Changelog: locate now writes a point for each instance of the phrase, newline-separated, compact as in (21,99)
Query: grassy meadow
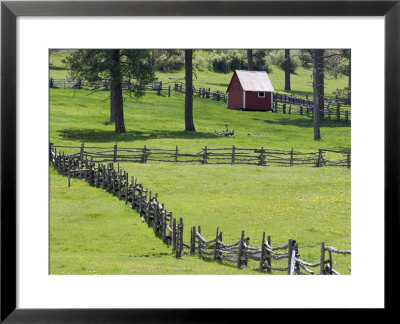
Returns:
(301,80)
(92,232)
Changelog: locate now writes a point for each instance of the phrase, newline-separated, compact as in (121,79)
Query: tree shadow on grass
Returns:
(57,68)
(306,122)
(101,136)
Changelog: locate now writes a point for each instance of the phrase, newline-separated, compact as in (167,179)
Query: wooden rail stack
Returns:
(154,213)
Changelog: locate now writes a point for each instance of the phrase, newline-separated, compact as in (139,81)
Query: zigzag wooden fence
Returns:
(170,230)
(230,155)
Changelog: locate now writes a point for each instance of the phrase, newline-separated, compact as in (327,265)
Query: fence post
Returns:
(199,231)
(247,240)
(297,265)
(338,112)
(169,91)
(174,234)
(346,116)
(205,155)
(50,155)
(146,205)
(319,158)
(290,257)
(284,108)
(216,245)
(291,157)
(106,176)
(179,243)
(126,188)
(193,240)
(115,152)
(133,202)
(239,260)
(164,224)
(330,262)
(233,154)
(103,175)
(262,156)
(155,219)
(348,160)
(219,253)
(149,208)
(119,184)
(140,200)
(176,154)
(113,178)
(81,153)
(144,155)
(262,253)
(269,255)
(322,265)
(69,174)
(301,110)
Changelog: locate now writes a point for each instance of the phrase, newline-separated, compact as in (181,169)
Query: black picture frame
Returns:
(10,10)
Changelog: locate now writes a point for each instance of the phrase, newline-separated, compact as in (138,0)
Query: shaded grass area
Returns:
(158,121)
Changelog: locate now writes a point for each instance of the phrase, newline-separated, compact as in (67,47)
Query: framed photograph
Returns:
(278,174)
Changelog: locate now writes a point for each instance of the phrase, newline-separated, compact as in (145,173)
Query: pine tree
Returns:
(132,68)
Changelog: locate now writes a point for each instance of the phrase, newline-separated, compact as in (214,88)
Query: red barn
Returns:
(250,90)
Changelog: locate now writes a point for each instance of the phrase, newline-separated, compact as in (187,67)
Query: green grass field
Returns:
(92,232)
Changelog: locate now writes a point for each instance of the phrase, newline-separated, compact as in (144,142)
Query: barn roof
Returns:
(254,81)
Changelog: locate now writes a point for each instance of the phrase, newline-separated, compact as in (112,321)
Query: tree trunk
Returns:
(112,106)
(316,54)
(321,84)
(116,85)
(189,125)
(287,69)
(250,60)
(349,95)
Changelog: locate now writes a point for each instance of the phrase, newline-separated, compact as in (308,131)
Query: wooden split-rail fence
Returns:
(286,256)
(170,230)
(281,102)
(202,92)
(230,155)
(293,105)
(156,86)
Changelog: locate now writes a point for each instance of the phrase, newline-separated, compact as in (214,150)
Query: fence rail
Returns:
(229,155)
(170,230)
